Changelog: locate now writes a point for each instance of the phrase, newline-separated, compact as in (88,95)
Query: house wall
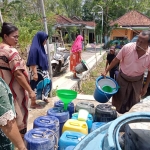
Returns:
(121,33)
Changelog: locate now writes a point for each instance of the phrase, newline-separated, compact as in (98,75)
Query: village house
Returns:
(86,28)
(129,25)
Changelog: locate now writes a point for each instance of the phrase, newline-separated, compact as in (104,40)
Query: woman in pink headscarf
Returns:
(75,57)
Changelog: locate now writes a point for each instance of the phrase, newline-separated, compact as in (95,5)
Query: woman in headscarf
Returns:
(75,57)
(38,67)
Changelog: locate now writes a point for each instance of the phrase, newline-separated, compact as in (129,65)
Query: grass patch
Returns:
(88,86)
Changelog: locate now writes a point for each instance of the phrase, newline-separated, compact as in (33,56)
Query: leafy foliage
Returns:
(27,16)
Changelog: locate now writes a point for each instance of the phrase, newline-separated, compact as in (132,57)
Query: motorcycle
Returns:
(60,61)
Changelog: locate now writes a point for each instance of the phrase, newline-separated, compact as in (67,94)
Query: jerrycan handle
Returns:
(84,103)
(37,134)
(71,136)
(44,121)
(74,123)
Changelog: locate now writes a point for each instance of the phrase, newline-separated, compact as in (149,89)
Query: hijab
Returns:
(37,55)
(77,45)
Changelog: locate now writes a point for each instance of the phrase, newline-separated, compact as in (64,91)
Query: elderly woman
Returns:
(13,72)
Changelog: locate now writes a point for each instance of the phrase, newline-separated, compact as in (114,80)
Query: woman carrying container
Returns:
(75,57)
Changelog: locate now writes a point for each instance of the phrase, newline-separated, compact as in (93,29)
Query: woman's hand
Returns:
(35,76)
(32,95)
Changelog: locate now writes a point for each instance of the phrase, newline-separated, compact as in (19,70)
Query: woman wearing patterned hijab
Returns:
(38,68)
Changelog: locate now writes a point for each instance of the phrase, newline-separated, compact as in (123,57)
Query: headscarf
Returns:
(37,55)
(77,45)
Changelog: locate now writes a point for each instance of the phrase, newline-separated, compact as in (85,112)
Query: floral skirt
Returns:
(42,86)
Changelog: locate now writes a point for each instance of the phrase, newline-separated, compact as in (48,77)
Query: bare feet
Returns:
(46,100)
(35,106)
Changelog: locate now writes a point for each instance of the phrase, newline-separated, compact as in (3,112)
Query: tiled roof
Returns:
(132,18)
(90,23)
(75,20)
(62,19)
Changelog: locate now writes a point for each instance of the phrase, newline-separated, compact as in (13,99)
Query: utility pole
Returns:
(48,48)
(1,18)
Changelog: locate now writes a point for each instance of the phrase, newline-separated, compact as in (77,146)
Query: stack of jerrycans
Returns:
(74,131)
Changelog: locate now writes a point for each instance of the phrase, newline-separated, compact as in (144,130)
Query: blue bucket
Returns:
(100,95)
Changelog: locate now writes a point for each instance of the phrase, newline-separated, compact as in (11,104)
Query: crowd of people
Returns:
(19,84)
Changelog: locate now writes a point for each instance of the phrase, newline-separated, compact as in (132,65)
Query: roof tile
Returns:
(132,18)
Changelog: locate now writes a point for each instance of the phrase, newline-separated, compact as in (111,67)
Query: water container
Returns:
(70,106)
(39,139)
(89,120)
(75,125)
(81,67)
(99,94)
(69,138)
(61,114)
(85,105)
(50,122)
(105,113)
(70,148)
(96,125)
(83,115)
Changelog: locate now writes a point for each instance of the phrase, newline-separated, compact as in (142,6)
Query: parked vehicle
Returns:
(60,60)
(113,42)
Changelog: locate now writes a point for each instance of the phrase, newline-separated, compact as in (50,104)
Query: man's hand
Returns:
(143,91)
(104,73)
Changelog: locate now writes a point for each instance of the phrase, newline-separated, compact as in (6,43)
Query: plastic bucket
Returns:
(100,95)
(81,67)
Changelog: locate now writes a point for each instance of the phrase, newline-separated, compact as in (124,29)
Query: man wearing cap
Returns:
(110,56)
(134,59)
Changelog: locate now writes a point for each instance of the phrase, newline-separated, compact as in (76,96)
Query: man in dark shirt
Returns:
(110,56)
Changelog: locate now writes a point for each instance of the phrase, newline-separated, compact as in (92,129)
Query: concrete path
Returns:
(66,81)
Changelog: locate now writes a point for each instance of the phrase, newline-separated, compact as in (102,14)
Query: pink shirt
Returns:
(130,64)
